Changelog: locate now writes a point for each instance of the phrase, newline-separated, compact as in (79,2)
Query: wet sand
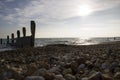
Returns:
(62,62)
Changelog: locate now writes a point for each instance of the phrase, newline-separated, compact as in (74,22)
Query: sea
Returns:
(40,42)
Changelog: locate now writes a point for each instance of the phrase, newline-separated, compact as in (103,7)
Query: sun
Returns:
(85,10)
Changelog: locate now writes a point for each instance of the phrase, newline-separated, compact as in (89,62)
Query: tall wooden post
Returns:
(33,26)
(12,36)
(7,39)
(24,31)
(18,33)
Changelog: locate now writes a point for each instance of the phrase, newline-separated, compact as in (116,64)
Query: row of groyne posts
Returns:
(25,41)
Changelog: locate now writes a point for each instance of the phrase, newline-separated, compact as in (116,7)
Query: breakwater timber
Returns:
(25,41)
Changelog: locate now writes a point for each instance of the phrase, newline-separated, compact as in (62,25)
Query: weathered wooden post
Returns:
(18,33)
(18,42)
(24,31)
(33,26)
(7,39)
(1,41)
(12,36)
(114,38)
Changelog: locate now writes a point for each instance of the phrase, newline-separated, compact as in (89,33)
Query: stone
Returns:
(99,76)
(31,69)
(113,66)
(55,70)
(69,77)
(78,76)
(59,77)
(104,66)
(49,76)
(67,71)
(80,60)
(74,66)
(106,77)
(40,72)
(117,76)
(10,74)
(81,66)
(43,64)
(84,79)
(67,65)
(34,78)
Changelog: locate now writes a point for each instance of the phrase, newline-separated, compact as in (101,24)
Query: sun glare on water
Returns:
(85,10)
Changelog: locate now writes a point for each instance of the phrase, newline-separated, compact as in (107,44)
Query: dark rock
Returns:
(117,76)
(59,77)
(34,78)
(69,77)
(40,72)
(10,74)
(99,76)
(49,76)
(81,66)
(67,71)
(74,66)
(55,70)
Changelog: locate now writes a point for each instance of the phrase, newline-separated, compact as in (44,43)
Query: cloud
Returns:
(50,11)
(9,0)
(9,17)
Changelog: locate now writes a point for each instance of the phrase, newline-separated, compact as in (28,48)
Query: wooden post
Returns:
(7,39)
(1,41)
(18,33)
(12,36)
(33,26)
(24,31)
(114,38)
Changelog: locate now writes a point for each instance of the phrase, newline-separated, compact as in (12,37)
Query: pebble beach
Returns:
(62,62)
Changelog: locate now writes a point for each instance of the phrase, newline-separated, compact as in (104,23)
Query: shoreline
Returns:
(5,48)
(75,60)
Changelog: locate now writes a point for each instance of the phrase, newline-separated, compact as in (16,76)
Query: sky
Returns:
(61,18)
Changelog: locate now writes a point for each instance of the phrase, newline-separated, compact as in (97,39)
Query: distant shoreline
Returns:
(103,43)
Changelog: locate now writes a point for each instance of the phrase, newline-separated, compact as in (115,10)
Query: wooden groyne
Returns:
(24,41)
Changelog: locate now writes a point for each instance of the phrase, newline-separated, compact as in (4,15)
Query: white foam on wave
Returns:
(5,48)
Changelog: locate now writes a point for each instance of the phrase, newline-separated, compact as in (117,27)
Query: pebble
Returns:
(74,67)
(10,74)
(78,63)
(55,70)
(49,76)
(117,76)
(104,66)
(84,79)
(67,71)
(40,72)
(59,77)
(81,66)
(99,76)
(34,78)
(69,77)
